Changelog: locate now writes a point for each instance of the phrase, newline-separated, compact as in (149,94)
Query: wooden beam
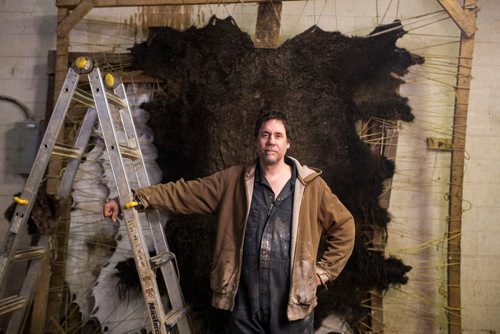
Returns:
(461,16)
(456,179)
(61,69)
(439,144)
(58,265)
(108,58)
(71,20)
(387,135)
(40,298)
(70,4)
(267,31)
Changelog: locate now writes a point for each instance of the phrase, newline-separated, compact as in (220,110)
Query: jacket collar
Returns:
(305,174)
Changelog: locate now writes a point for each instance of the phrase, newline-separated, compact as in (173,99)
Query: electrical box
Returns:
(22,146)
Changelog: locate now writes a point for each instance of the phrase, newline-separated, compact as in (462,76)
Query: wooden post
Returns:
(58,264)
(267,32)
(388,148)
(464,21)
(71,19)
(40,299)
(457,175)
(61,69)
(386,136)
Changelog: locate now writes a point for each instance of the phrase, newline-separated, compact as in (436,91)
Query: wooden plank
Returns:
(57,294)
(40,300)
(267,31)
(460,16)
(32,279)
(70,4)
(58,265)
(61,69)
(71,20)
(383,141)
(387,148)
(456,180)
(113,59)
(439,144)
(51,74)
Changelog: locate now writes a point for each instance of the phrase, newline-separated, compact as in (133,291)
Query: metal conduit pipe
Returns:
(29,115)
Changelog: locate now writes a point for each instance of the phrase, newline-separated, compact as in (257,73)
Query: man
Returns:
(271,215)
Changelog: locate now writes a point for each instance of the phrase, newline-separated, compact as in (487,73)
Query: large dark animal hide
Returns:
(44,215)
(216,84)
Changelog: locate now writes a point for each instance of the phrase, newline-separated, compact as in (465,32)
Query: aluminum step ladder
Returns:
(109,99)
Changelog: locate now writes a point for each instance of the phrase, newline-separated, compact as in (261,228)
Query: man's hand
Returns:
(111,209)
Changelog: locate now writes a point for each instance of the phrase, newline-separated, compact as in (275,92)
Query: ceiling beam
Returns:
(463,17)
(133,3)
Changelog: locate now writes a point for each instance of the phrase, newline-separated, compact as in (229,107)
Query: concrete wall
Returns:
(419,204)
(27,33)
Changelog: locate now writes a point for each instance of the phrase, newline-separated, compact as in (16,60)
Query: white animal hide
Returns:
(87,231)
(128,315)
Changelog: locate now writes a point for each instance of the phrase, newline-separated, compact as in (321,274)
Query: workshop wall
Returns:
(419,205)
(26,35)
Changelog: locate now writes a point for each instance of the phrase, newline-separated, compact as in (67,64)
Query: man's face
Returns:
(272,142)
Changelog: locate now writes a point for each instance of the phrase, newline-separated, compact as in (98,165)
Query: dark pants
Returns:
(261,302)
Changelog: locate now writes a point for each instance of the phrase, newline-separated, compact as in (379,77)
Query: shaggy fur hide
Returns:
(216,84)
(44,215)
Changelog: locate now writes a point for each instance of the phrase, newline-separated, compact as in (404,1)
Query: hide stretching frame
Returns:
(71,12)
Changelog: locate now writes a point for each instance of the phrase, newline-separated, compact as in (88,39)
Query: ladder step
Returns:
(158,260)
(84,98)
(10,304)
(129,152)
(87,99)
(173,317)
(29,253)
(115,99)
(67,151)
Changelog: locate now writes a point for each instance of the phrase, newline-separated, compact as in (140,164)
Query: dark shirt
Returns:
(262,298)
(267,238)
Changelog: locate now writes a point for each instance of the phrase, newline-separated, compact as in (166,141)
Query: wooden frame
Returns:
(466,20)
(70,12)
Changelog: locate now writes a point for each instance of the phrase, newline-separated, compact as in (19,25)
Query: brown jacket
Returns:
(228,194)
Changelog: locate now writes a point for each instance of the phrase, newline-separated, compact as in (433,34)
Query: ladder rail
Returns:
(169,269)
(22,211)
(147,276)
(80,143)
(160,321)
(48,147)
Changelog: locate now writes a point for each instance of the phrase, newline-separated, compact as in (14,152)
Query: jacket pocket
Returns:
(304,283)
(223,273)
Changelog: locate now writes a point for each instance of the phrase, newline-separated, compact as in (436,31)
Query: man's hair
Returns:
(270,115)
